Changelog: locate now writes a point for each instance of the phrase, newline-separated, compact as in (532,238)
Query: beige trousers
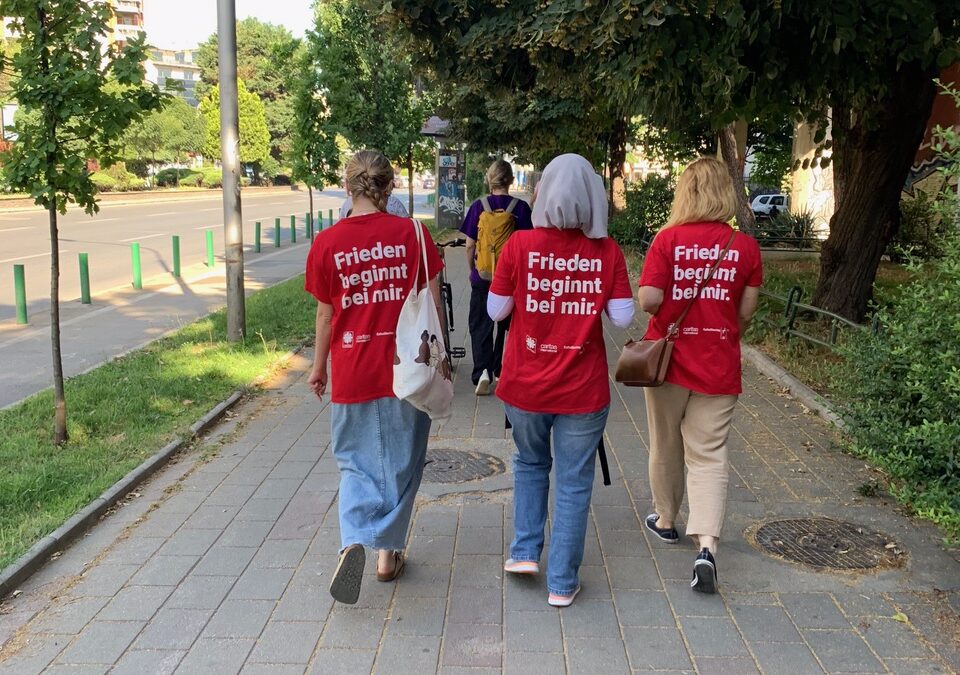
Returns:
(689,428)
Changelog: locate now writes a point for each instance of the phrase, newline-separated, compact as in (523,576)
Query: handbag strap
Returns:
(422,260)
(707,280)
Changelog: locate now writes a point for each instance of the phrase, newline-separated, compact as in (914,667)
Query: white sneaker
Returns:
(483,384)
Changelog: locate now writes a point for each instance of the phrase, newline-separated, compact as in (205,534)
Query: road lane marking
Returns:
(37,255)
(165,213)
(15,229)
(146,236)
(208,227)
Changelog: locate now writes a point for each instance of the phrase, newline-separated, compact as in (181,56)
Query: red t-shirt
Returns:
(364,267)
(560,282)
(706,355)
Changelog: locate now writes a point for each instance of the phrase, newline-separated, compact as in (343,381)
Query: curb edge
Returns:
(798,389)
(38,554)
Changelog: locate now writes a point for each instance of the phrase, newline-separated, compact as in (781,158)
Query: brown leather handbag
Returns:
(644,363)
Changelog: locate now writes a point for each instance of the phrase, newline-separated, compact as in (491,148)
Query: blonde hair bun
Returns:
(500,175)
(370,175)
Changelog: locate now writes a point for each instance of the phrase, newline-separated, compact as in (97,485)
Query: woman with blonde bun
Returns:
(360,273)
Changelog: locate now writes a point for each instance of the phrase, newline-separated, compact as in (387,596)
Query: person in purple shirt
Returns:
(487,347)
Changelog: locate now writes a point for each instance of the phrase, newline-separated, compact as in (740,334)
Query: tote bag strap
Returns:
(713,270)
(422,259)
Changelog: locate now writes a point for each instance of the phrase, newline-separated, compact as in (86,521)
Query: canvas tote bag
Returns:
(420,376)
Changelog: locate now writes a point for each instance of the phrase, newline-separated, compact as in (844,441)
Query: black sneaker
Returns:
(668,535)
(345,585)
(704,573)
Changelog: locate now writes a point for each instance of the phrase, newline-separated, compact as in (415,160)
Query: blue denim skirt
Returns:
(380,447)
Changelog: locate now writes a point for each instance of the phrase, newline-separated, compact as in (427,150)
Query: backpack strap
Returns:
(485,204)
(513,203)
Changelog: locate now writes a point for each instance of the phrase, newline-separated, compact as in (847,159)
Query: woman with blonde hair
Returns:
(487,337)
(689,416)
(380,442)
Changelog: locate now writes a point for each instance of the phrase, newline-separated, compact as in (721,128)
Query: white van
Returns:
(768,206)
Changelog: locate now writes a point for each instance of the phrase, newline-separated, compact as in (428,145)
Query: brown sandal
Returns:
(398,563)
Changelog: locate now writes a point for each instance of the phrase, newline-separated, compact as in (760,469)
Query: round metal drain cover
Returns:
(828,544)
(457,466)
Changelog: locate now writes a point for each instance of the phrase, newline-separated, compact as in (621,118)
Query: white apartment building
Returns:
(175,65)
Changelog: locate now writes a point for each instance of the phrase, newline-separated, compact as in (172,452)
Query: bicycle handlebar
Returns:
(454,243)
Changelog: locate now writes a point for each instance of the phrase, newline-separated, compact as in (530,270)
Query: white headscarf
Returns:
(570,195)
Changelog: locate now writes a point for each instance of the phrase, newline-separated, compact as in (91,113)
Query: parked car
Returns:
(428,182)
(768,206)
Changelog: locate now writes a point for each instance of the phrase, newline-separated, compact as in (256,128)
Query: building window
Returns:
(180,57)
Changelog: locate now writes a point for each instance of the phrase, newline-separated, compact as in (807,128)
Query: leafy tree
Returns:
(81,96)
(167,134)
(369,90)
(266,62)
(254,135)
(315,155)
(185,131)
(682,61)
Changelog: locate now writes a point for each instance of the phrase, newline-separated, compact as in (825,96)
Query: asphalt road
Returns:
(121,318)
(107,237)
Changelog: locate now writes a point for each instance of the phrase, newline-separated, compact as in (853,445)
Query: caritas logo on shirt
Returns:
(686,268)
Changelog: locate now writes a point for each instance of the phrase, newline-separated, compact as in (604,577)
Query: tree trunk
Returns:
(871,161)
(410,178)
(60,435)
(728,150)
(618,155)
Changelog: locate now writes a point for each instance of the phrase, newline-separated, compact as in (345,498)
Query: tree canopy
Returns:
(315,155)
(368,85)
(686,63)
(266,62)
(167,134)
(254,135)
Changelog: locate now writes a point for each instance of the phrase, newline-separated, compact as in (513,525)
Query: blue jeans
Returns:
(575,441)
(380,447)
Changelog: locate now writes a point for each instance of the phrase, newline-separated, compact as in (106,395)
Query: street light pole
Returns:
(230,148)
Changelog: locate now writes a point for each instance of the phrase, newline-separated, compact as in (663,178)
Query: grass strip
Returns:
(127,409)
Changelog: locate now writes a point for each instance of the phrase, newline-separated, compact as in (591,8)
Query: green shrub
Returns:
(192,180)
(103,181)
(212,177)
(921,230)
(785,229)
(648,208)
(168,177)
(116,178)
(900,391)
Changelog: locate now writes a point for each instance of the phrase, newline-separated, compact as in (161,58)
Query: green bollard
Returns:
(293,229)
(137,272)
(319,220)
(210,260)
(308,224)
(276,233)
(256,237)
(20,290)
(330,216)
(84,279)
(176,256)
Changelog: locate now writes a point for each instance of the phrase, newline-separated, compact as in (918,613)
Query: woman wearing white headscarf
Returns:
(557,279)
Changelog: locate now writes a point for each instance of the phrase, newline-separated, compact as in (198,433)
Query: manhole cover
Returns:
(828,544)
(456,466)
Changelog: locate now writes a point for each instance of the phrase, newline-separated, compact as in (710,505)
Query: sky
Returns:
(182,24)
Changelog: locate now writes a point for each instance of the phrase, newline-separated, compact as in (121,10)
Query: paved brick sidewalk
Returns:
(222,565)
